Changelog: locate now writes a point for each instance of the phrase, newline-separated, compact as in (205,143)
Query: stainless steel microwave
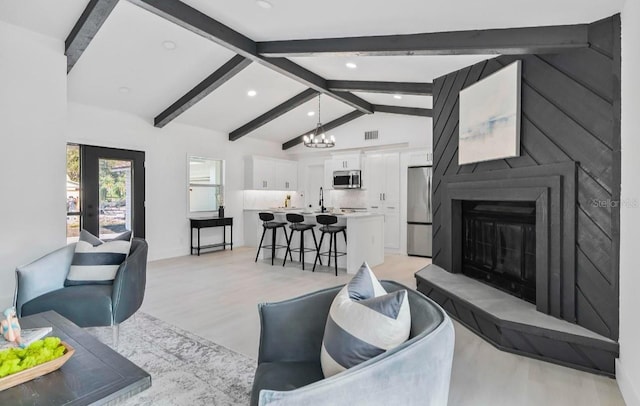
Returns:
(347,179)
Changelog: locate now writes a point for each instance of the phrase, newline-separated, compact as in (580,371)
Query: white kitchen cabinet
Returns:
(391,187)
(270,174)
(392,229)
(286,175)
(259,173)
(381,179)
(346,162)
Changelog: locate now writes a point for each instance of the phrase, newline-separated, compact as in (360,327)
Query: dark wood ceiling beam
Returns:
(407,111)
(409,88)
(327,127)
(87,26)
(199,23)
(272,114)
(203,89)
(193,20)
(508,41)
(310,79)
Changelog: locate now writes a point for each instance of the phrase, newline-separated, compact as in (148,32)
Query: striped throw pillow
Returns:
(96,262)
(364,321)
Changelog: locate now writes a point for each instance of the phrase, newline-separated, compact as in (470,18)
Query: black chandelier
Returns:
(318,138)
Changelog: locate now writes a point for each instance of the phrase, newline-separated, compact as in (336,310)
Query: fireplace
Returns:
(551,189)
(499,245)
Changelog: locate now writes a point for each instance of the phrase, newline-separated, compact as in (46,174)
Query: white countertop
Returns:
(314,213)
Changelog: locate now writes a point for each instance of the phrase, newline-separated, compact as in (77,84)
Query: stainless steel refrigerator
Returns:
(419,223)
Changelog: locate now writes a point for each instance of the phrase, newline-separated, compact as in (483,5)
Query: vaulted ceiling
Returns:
(141,63)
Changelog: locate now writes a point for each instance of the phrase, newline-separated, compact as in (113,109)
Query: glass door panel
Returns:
(73,193)
(113,191)
(114,185)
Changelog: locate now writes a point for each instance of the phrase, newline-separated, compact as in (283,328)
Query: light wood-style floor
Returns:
(216,295)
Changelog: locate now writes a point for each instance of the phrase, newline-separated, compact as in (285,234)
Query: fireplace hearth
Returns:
(499,245)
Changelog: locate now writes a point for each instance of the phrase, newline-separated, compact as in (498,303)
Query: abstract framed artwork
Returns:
(490,117)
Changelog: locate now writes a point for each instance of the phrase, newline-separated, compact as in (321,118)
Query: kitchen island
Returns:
(365,237)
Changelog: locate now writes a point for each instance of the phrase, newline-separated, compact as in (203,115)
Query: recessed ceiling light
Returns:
(351,65)
(311,113)
(264,4)
(397,96)
(124,89)
(252,93)
(169,45)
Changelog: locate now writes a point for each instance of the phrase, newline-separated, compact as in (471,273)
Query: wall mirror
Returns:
(206,184)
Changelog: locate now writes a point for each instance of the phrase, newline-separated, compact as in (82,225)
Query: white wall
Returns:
(37,124)
(628,366)
(414,132)
(166,151)
(33,72)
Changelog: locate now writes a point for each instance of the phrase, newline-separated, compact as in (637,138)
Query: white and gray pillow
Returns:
(364,321)
(96,262)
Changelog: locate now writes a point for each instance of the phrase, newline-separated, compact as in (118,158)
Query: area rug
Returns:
(185,369)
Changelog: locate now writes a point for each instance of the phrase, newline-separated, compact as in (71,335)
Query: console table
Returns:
(198,223)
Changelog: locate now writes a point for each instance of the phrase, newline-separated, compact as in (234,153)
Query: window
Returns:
(206,184)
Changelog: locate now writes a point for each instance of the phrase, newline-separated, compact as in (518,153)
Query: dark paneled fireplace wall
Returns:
(570,113)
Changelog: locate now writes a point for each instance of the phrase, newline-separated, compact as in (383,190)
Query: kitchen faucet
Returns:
(321,202)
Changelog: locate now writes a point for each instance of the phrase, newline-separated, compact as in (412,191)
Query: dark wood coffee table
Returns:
(94,375)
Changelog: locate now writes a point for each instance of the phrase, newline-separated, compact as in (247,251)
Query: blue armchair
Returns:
(40,287)
(289,372)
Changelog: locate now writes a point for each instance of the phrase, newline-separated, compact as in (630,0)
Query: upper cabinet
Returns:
(346,162)
(286,175)
(263,173)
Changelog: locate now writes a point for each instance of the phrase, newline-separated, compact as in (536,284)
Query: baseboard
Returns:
(627,388)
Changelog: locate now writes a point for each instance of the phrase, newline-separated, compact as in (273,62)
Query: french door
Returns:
(113,191)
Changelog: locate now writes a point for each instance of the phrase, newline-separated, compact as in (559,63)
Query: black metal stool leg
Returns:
(273,245)
(288,246)
(302,248)
(318,252)
(330,245)
(264,231)
(345,235)
(288,242)
(335,251)
(313,233)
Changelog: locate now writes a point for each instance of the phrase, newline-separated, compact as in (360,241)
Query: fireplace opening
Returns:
(499,245)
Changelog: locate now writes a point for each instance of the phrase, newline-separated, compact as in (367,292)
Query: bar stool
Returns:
(269,224)
(328,228)
(296,224)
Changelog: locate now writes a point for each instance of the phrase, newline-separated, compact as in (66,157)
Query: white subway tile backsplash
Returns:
(264,199)
(348,198)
